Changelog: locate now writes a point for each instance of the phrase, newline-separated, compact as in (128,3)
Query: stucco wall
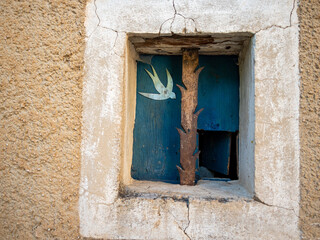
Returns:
(309,14)
(107,212)
(41,46)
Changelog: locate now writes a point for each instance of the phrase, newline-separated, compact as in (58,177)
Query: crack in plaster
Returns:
(293,7)
(278,26)
(195,29)
(107,28)
(188,224)
(164,23)
(174,17)
(185,230)
(255,198)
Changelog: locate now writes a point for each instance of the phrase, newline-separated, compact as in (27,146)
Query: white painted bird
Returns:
(164,92)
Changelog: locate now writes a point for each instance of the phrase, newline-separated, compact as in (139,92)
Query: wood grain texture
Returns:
(218,44)
(189,118)
(156,142)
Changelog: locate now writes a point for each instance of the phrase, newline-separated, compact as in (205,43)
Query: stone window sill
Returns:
(205,189)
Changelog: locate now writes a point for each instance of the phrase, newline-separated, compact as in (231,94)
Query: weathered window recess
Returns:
(214,142)
(264,38)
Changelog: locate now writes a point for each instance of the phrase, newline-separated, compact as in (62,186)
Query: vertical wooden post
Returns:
(189,119)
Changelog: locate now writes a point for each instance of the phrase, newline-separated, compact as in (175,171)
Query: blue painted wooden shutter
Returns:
(156,140)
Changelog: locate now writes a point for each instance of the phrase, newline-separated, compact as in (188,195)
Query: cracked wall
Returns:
(42,49)
(108,103)
(309,15)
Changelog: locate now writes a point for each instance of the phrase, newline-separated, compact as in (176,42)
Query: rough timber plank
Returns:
(189,119)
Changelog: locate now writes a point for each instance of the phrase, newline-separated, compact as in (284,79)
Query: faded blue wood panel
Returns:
(218,93)
(156,141)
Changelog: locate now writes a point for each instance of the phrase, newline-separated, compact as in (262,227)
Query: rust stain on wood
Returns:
(189,119)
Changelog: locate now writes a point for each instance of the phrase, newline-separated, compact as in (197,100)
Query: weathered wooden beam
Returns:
(189,119)
(217,44)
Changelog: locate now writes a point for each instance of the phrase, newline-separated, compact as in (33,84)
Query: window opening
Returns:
(218,155)
(156,145)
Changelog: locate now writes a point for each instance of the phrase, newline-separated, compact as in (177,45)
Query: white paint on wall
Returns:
(272,160)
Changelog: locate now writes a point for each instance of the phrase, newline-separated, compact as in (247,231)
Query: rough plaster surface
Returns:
(42,47)
(309,15)
(276,112)
(273,212)
(41,73)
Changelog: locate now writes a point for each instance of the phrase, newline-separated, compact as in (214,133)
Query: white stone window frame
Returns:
(264,203)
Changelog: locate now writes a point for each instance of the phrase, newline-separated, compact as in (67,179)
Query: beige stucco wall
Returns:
(309,14)
(41,58)
(42,47)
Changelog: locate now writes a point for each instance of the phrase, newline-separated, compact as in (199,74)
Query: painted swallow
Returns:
(164,92)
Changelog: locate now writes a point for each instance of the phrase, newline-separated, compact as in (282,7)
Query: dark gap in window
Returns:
(218,155)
